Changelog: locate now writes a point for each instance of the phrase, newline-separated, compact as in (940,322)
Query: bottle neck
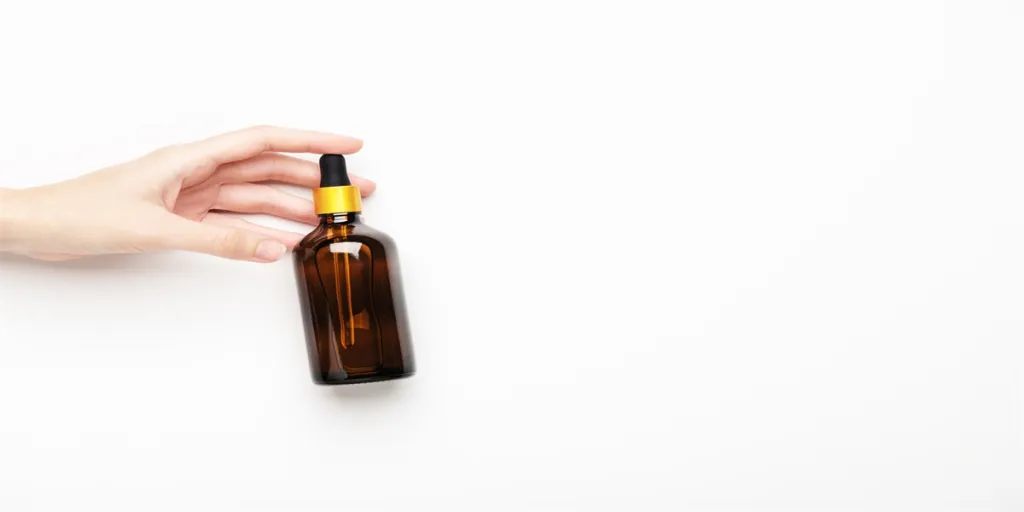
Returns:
(340,218)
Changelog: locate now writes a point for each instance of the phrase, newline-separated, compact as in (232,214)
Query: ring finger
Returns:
(255,198)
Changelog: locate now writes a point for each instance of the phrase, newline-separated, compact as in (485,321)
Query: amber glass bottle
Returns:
(350,290)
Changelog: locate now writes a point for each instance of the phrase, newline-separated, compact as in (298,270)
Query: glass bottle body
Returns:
(352,302)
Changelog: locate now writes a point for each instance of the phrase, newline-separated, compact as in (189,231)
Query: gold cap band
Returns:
(344,199)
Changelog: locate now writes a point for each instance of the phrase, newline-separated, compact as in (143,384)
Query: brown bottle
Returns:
(350,290)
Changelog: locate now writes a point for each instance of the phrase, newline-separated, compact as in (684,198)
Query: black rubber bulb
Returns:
(333,172)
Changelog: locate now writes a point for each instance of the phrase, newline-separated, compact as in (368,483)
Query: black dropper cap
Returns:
(333,172)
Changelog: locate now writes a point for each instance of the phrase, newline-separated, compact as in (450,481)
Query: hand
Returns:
(171,199)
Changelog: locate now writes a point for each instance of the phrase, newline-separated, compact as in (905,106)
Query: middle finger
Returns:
(283,169)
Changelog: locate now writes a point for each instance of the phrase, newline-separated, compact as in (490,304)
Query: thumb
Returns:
(223,241)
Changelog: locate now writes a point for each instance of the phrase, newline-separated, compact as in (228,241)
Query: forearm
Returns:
(16,231)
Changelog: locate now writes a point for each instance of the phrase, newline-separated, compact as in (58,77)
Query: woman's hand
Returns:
(170,199)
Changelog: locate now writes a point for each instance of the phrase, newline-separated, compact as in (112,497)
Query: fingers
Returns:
(253,198)
(249,142)
(222,239)
(284,169)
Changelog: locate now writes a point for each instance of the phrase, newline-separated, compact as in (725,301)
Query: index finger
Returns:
(250,142)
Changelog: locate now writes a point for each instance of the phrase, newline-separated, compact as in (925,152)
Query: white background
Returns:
(732,255)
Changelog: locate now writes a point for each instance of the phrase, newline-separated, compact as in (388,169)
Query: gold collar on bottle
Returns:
(344,199)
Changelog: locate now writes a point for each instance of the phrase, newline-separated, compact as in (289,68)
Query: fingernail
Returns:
(269,250)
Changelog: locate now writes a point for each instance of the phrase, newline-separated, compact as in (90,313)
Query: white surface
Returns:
(807,294)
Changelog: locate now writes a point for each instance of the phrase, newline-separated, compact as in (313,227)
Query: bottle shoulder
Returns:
(325,235)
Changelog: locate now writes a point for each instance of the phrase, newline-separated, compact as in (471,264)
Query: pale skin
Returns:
(177,198)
